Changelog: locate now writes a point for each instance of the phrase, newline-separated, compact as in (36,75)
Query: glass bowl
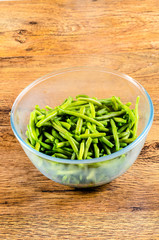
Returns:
(51,90)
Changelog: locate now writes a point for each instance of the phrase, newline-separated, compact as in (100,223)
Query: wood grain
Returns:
(37,37)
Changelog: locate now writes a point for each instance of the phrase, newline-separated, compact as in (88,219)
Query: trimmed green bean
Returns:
(80,122)
(110,115)
(115,134)
(92,135)
(96,102)
(81,151)
(96,150)
(81,116)
(49,136)
(88,143)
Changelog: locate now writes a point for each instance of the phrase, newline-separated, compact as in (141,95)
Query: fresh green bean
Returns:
(96,102)
(81,151)
(67,135)
(88,143)
(49,136)
(96,150)
(60,150)
(63,144)
(44,145)
(65,125)
(92,135)
(102,129)
(73,156)
(28,142)
(115,104)
(115,134)
(32,126)
(56,135)
(120,120)
(60,155)
(102,112)
(136,117)
(80,122)
(81,116)
(110,115)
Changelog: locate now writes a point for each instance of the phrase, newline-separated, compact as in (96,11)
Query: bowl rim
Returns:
(86,161)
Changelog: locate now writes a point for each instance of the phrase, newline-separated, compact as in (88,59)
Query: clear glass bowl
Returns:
(51,90)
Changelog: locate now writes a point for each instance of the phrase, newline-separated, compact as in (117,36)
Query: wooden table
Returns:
(37,37)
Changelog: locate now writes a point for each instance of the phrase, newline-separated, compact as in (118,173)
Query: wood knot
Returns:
(20,35)
(33,23)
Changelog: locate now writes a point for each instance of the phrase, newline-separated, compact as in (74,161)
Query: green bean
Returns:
(105,101)
(49,136)
(82,95)
(80,122)
(45,145)
(115,134)
(110,115)
(96,150)
(92,135)
(32,125)
(67,135)
(115,105)
(32,141)
(89,154)
(92,108)
(105,122)
(60,155)
(102,129)
(46,118)
(128,104)
(81,151)
(119,120)
(49,152)
(47,124)
(37,146)
(60,150)
(77,103)
(65,125)
(102,139)
(96,102)
(49,108)
(68,149)
(108,151)
(122,144)
(88,143)
(73,156)
(106,141)
(124,134)
(28,142)
(129,140)
(95,140)
(123,128)
(56,135)
(136,117)
(127,109)
(81,116)
(62,144)
(42,111)
(102,112)
(67,103)
(40,117)
(48,141)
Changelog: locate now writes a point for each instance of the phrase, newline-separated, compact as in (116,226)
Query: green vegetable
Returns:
(84,128)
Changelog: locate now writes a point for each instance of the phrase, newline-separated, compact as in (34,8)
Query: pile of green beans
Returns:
(83,128)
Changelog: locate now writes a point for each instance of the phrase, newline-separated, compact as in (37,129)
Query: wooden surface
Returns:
(37,37)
